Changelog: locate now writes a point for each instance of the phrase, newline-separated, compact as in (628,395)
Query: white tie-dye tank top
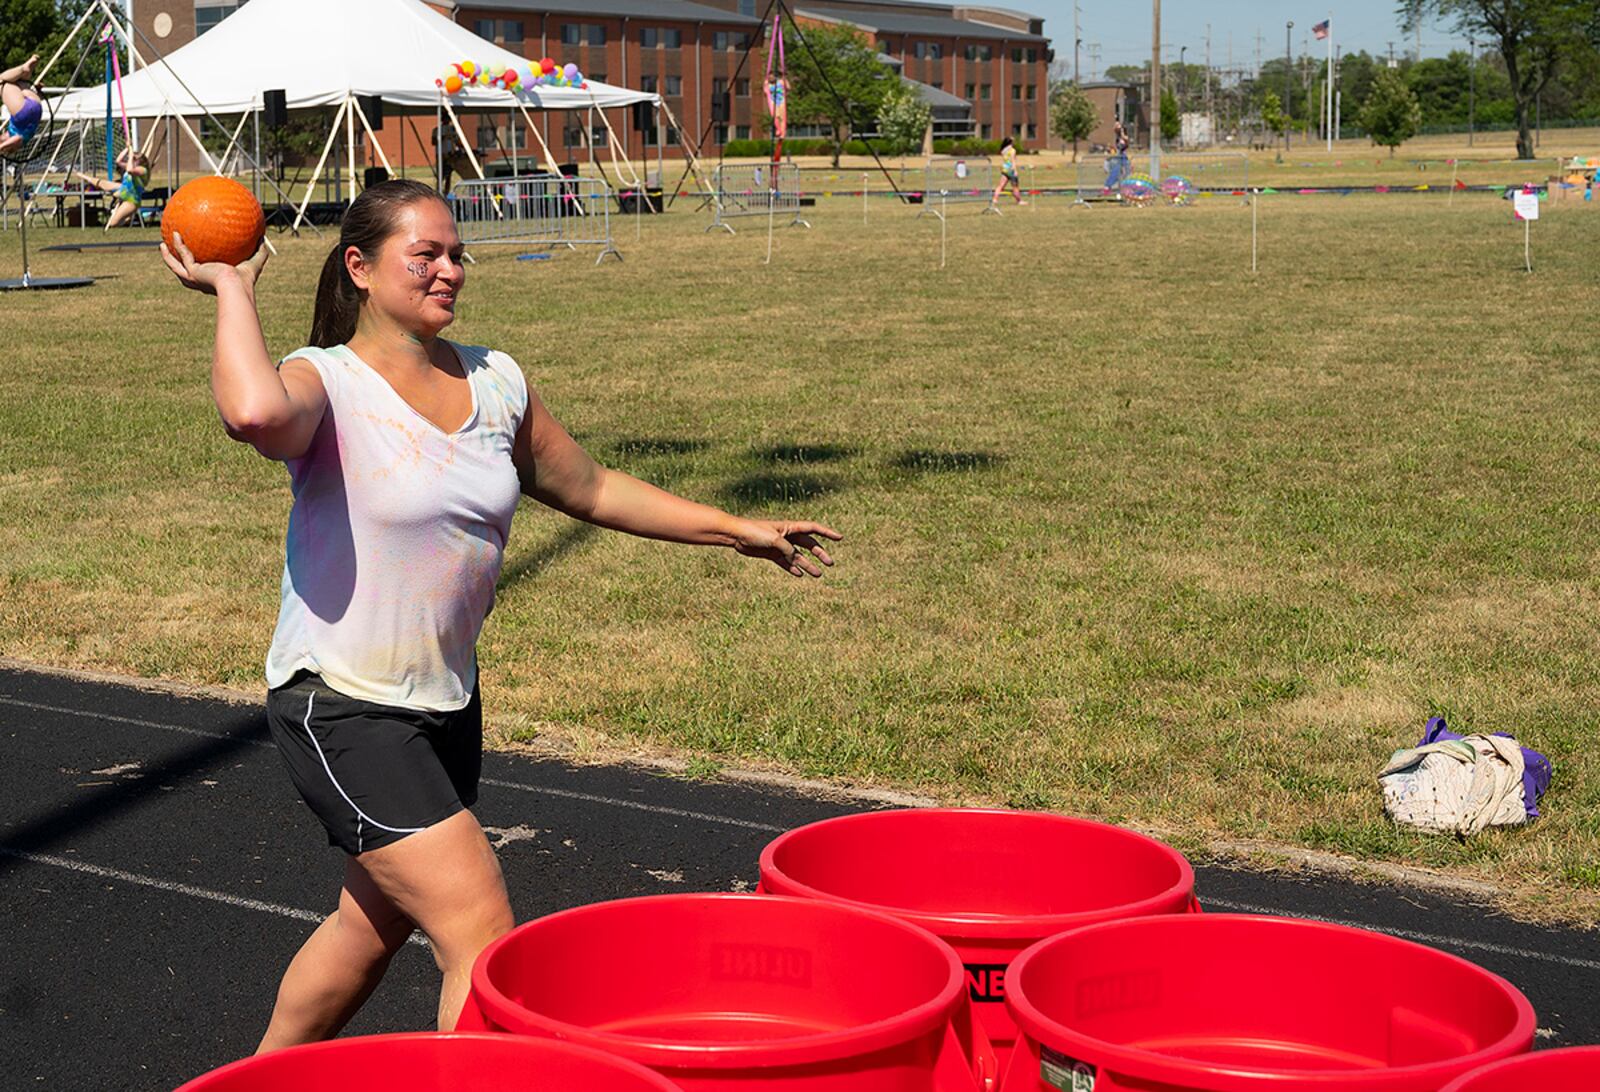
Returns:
(396,535)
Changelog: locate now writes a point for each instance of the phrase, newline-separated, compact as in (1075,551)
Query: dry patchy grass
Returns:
(1130,532)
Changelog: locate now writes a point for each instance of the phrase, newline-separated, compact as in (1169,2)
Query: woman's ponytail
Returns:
(333,320)
(367,225)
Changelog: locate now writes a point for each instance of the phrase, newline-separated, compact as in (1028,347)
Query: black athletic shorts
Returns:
(375,773)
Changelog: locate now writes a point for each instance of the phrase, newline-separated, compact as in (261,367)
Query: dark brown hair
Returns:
(368,223)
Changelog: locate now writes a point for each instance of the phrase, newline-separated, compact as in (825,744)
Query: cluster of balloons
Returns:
(543,73)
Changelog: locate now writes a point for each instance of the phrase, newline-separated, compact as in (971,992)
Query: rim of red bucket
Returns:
(1149,1065)
(756,1054)
(225,1073)
(1533,1063)
(987,926)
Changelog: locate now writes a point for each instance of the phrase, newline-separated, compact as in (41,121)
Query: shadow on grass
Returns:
(776,488)
(804,453)
(531,563)
(657,445)
(921,461)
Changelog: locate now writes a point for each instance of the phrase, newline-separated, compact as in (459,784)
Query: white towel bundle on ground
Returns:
(1456,786)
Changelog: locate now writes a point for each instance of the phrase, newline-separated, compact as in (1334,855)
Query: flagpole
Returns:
(1329,92)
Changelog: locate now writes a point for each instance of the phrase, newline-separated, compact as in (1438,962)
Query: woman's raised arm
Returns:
(274,410)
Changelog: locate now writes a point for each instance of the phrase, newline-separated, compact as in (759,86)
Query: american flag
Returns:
(1321,29)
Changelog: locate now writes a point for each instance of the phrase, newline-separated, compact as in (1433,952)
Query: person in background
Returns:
(1008,173)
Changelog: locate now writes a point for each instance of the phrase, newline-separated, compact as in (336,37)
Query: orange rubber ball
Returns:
(219,219)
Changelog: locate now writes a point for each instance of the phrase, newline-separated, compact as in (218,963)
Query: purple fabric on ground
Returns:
(1536,769)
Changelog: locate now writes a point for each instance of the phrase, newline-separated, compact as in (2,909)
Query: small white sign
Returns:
(1526,205)
(961,168)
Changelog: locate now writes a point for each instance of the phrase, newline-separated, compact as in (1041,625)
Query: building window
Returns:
(972,92)
(1016,92)
(209,15)
(647,84)
(979,52)
(674,85)
(573,135)
(929,51)
(505,31)
(985,132)
(984,92)
(720,134)
(1033,92)
(742,132)
(665,37)
(593,34)
(492,137)
(743,87)
(1032,130)
(937,85)
(747,7)
(727,39)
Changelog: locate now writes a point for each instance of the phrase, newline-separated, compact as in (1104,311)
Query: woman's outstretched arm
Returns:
(556,471)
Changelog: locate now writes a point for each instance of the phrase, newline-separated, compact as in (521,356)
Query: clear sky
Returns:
(1122,28)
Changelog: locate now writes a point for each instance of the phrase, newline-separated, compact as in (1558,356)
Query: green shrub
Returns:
(966,146)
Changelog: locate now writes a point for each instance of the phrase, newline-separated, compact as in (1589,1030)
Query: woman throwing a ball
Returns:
(406,456)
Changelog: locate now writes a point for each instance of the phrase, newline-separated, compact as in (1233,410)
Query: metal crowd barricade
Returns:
(761,189)
(535,210)
(949,178)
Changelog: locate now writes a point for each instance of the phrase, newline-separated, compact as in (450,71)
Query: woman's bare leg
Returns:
(339,966)
(448,881)
(124,212)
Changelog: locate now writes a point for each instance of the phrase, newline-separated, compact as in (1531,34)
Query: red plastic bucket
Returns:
(1231,1003)
(988,882)
(1575,1069)
(428,1062)
(726,992)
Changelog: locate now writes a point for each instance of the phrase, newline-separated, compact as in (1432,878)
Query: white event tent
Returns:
(327,53)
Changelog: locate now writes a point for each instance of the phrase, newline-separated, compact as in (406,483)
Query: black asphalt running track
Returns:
(157,872)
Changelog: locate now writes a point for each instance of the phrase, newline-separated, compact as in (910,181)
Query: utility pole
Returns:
(1077,43)
(1155,91)
(1392,63)
(1472,90)
(1208,70)
(1288,77)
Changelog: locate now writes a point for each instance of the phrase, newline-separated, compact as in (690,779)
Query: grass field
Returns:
(1130,532)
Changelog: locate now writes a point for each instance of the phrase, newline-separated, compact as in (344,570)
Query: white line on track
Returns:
(1437,940)
(542,790)
(1434,939)
(173,886)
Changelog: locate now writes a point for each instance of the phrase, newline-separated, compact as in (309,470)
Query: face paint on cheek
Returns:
(417,269)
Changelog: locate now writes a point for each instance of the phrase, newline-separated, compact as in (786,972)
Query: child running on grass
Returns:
(130,191)
(22,103)
(1008,173)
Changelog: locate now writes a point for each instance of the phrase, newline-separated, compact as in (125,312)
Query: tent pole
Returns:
(234,140)
(511,133)
(256,167)
(438,143)
(550,160)
(383,156)
(661,156)
(462,133)
(311,189)
(350,143)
